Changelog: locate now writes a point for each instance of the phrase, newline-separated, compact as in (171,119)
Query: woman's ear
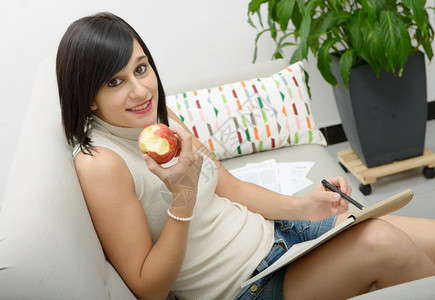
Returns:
(93,107)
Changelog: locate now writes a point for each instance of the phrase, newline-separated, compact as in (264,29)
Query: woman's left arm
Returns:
(318,204)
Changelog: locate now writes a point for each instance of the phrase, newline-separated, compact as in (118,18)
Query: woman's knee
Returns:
(385,242)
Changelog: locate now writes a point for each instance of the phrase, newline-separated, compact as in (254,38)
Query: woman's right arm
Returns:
(121,224)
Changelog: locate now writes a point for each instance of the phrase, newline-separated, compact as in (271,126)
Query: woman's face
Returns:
(130,98)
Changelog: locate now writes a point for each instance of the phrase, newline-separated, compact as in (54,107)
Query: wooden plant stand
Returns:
(351,163)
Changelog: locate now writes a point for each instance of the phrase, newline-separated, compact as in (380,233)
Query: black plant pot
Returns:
(384,118)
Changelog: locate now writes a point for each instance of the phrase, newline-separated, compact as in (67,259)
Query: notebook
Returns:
(379,209)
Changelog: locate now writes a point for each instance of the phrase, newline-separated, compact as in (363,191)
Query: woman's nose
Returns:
(137,89)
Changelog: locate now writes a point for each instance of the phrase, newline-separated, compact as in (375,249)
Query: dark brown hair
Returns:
(91,52)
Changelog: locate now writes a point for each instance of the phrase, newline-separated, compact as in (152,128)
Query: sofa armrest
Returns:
(422,289)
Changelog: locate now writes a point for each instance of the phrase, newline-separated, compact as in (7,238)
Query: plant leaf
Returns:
(424,33)
(307,79)
(334,19)
(273,32)
(427,46)
(305,29)
(356,22)
(389,23)
(271,8)
(282,41)
(374,54)
(250,22)
(254,5)
(277,55)
(333,4)
(404,47)
(309,8)
(288,44)
(301,4)
(297,55)
(371,8)
(256,43)
(297,16)
(345,64)
(324,61)
(304,32)
(284,11)
(419,13)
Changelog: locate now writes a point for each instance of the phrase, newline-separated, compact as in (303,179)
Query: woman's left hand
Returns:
(322,203)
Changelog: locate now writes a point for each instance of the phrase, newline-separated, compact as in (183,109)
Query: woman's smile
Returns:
(141,108)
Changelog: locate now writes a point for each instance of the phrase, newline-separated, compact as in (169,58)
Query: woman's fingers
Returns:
(184,139)
(341,183)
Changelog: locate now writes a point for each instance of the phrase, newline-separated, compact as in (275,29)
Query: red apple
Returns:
(159,142)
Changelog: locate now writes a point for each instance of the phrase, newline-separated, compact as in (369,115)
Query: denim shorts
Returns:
(287,233)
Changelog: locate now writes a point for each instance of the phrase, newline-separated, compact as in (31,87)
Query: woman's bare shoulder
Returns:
(99,159)
(102,173)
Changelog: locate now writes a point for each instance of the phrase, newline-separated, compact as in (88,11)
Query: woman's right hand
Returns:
(322,203)
(181,178)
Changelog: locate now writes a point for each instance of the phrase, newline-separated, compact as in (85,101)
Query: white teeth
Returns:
(140,107)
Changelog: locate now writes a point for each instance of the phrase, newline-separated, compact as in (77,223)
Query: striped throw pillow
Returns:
(251,115)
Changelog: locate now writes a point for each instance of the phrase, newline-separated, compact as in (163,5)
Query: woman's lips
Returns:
(141,108)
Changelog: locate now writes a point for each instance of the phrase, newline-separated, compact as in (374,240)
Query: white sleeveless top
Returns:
(226,241)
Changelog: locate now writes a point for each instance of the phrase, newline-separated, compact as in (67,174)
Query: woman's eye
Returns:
(114,82)
(140,70)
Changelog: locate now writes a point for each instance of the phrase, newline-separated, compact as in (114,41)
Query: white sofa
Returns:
(48,246)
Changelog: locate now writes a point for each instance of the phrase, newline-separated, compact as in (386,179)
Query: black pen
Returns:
(335,189)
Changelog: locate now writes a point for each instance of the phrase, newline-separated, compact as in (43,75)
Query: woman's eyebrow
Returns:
(139,58)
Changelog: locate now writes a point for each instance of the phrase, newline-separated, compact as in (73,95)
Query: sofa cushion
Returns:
(48,246)
(251,115)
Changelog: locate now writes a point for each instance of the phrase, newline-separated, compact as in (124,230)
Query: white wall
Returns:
(187,38)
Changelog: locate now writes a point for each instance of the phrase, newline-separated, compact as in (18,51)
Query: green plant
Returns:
(381,33)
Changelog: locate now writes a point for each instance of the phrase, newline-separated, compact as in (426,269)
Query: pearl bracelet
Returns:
(180,219)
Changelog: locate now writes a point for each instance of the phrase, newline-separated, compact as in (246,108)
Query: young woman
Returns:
(193,229)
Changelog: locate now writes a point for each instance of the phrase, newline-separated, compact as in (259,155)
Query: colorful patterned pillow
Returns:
(250,116)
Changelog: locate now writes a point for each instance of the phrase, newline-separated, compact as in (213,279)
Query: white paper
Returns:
(285,178)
